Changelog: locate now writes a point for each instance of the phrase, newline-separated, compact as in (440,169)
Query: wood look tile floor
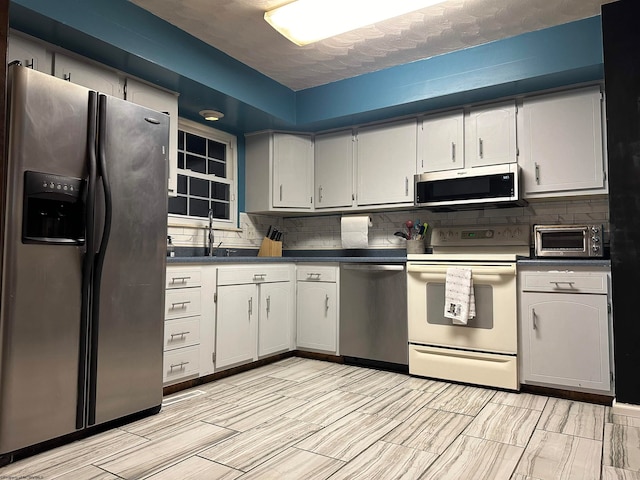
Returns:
(307,419)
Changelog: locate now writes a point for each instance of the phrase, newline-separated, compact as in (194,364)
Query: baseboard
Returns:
(626,409)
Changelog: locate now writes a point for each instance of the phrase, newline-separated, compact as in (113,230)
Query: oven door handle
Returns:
(436,270)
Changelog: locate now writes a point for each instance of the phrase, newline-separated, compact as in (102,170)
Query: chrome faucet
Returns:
(211,232)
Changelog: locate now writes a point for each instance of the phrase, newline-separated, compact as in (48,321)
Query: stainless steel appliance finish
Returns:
(373,312)
(81,312)
(469,188)
(568,240)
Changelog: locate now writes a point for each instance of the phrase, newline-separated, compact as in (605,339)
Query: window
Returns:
(206,175)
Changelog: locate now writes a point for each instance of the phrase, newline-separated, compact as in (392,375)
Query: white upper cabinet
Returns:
(30,53)
(334,170)
(441,142)
(562,144)
(88,75)
(162,101)
(292,171)
(491,135)
(386,163)
(279,172)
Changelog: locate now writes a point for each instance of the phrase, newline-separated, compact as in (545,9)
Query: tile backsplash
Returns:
(323,232)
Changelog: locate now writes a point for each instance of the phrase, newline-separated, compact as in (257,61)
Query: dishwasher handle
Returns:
(373,268)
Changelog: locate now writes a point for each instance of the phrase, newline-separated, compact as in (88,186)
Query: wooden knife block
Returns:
(270,248)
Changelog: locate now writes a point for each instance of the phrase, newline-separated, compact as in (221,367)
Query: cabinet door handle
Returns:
(280,192)
(182,304)
(67,76)
(30,64)
(453,151)
(268,304)
(250,307)
(533,318)
(178,365)
(179,334)
(326,303)
(481,147)
(406,186)
(537,170)
(320,194)
(179,279)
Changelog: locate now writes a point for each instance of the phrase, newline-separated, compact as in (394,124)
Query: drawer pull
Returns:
(179,280)
(181,304)
(259,276)
(314,275)
(177,366)
(180,334)
(557,284)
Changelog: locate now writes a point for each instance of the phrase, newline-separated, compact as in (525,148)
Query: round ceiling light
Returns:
(211,115)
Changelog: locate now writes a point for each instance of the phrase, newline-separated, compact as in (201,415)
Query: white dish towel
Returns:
(459,299)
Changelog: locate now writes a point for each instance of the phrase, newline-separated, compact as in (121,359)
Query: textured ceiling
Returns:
(237,28)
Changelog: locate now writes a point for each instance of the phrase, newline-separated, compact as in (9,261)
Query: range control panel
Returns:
(496,235)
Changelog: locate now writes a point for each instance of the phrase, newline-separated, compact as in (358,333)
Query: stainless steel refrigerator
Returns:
(82,305)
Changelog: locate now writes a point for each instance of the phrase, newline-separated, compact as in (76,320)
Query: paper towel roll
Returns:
(354,231)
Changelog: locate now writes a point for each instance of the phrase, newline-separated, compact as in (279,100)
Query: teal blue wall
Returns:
(120,34)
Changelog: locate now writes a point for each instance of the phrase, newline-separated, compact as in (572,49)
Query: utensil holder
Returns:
(270,248)
(415,246)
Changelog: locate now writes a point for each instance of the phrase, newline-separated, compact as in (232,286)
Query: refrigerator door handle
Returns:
(88,260)
(100,256)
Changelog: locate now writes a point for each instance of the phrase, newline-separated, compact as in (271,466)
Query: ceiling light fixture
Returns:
(211,115)
(308,21)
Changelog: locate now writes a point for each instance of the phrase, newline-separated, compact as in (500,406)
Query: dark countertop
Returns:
(299,256)
(563,262)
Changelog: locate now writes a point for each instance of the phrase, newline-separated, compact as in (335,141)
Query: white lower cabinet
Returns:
(564,329)
(254,313)
(236,325)
(317,308)
(276,317)
(182,324)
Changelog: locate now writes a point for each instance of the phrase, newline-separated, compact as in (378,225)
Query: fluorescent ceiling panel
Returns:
(307,21)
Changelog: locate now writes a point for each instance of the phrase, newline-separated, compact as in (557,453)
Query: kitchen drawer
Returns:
(180,363)
(564,282)
(253,274)
(182,302)
(181,332)
(315,273)
(183,277)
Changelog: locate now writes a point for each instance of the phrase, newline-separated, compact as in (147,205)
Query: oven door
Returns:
(494,329)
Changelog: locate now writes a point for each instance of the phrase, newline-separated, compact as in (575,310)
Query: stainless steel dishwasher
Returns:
(373,312)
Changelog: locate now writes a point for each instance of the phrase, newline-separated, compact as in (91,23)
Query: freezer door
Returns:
(129,291)
(40,304)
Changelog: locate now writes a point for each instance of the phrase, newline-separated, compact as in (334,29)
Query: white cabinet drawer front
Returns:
(316,273)
(180,363)
(183,277)
(565,282)
(181,332)
(184,302)
(253,274)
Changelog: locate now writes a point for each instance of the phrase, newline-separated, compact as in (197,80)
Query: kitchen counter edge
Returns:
(238,259)
(563,262)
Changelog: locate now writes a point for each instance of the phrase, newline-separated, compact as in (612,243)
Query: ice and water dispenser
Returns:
(53,209)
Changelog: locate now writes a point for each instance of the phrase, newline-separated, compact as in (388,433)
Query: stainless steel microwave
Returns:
(568,240)
(469,188)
